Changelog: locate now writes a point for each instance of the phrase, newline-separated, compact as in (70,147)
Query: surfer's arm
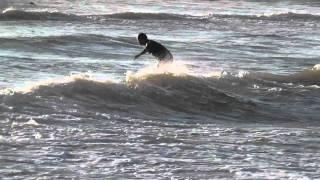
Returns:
(143,52)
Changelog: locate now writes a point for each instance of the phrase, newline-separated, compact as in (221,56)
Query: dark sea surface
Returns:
(240,101)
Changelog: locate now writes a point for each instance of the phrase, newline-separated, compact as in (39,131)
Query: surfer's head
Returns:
(142,38)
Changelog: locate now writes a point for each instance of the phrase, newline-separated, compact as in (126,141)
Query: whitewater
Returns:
(240,101)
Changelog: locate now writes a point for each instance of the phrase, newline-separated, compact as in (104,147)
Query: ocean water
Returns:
(240,101)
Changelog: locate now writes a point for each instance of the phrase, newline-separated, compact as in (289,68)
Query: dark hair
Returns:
(142,36)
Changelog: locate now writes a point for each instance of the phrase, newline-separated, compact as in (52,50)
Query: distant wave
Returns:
(151,16)
(44,41)
(64,38)
(166,16)
(275,17)
(58,16)
(15,15)
(309,76)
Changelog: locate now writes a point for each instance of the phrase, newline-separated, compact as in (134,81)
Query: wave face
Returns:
(10,15)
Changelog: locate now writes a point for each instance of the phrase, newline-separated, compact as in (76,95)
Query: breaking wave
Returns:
(146,95)
(152,94)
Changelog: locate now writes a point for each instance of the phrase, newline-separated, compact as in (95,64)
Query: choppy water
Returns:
(241,101)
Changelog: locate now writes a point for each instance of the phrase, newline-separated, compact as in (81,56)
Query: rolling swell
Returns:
(16,15)
(75,38)
(58,16)
(167,16)
(274,17)
(148,16)
(306,77)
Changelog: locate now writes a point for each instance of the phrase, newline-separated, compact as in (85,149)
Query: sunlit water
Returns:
(241,100)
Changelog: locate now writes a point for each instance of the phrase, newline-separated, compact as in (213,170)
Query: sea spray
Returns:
(177,68)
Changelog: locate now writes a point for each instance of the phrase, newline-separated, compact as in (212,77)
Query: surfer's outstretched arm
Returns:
(143,52)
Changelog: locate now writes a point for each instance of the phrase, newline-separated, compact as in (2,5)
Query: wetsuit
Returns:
(159,51)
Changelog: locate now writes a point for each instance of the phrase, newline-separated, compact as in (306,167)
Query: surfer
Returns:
(155,48)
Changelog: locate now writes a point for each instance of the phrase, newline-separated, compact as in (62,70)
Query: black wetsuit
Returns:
(159,51)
